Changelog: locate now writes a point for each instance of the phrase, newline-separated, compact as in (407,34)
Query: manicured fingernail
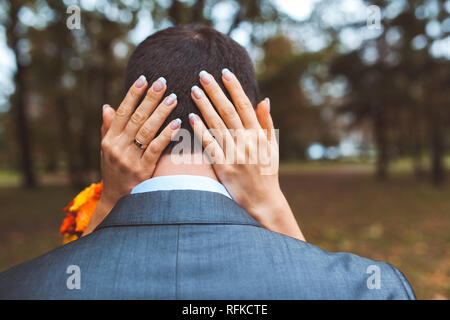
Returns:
(227,74)
(159,84)
(105,106)
(268,104)
(175,124)
(205,77)
(140,82)
(192,118)
(171,99)
(197,92)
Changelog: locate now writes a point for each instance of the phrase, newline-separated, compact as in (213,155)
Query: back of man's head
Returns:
(179,53)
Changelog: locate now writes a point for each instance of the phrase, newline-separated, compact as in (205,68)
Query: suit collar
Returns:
(176,207)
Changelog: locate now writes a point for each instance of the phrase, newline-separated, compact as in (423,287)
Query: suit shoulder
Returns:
(35,278)
(368,279)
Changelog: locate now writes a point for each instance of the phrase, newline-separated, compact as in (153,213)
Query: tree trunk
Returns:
(437,146)
(381,144)
(417,160)
(23,134)
(67,142)
(85,147)
(19,107)
(175,12)
(197,15)
(415,130)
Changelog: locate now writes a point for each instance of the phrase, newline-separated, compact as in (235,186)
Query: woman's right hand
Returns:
(123,163)
(244,151)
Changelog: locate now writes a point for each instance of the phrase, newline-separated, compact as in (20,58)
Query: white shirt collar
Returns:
(181,182)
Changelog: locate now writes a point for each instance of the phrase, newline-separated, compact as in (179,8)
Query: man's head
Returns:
(179,53)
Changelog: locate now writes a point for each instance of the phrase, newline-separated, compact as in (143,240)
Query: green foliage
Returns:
(63,77)
(400,93)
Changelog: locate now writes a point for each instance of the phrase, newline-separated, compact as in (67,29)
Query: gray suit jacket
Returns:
(196,245)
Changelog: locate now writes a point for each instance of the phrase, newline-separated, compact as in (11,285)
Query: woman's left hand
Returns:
(123,163)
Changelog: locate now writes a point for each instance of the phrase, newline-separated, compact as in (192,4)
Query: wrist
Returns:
(102,209)
(106,203)
(272,210)
(275,214)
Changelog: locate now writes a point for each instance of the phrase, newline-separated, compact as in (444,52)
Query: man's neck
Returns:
(169,165)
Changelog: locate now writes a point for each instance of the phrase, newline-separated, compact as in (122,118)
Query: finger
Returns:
(148,131)
(107,116)
(243,105)
(128,105)
(157,146)
(220,101)
(211,146)
(145,109)
(264,117)
(213,120)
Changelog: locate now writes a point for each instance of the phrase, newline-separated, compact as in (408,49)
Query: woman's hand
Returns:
(123,163)
(243,151)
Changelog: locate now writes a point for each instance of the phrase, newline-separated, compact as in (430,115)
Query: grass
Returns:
(402,221)
(340,207)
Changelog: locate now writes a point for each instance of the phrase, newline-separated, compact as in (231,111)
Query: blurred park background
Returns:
(360,91)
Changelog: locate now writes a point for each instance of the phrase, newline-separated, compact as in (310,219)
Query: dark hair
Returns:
(179,53)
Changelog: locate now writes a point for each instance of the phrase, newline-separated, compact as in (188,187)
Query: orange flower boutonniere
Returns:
(79,212)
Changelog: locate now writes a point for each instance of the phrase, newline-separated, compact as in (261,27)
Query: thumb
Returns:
(108,114)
